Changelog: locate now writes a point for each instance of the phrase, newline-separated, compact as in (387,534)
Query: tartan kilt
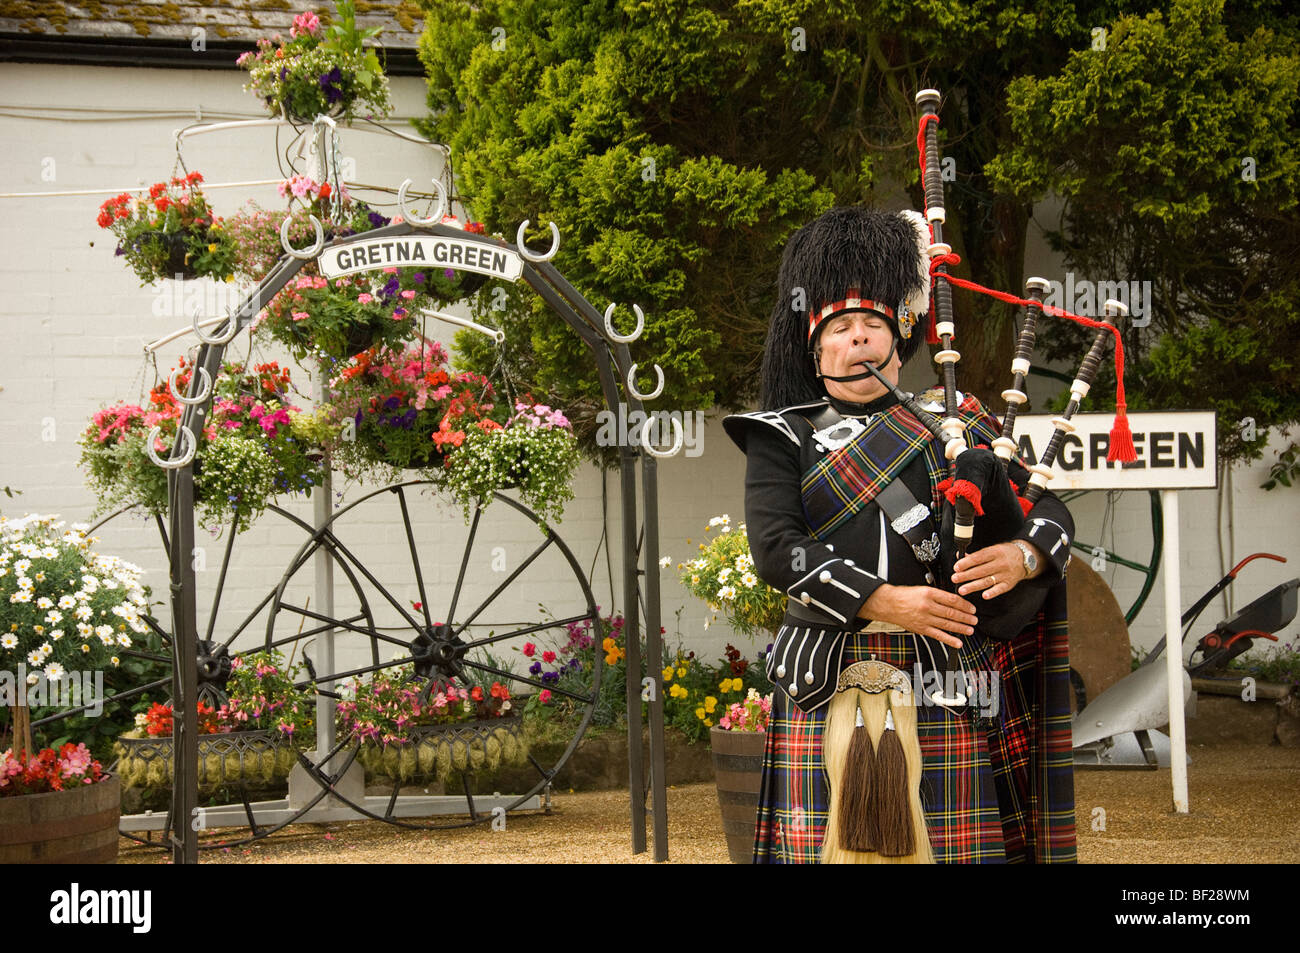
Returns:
(997,793)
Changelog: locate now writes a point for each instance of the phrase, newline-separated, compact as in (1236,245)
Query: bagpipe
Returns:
(871,746)
(984,504)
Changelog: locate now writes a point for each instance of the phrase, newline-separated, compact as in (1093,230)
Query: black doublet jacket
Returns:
(828,580)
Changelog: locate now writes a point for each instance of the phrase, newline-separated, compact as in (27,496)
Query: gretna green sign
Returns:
(409,251)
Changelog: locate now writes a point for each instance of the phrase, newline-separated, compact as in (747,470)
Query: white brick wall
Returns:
(74,321)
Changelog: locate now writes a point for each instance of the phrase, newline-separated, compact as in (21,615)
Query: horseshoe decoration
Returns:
(624,338)
(678,437)
(631,383)
(183,434)
(214,338)
(438,211)
(305,253)
(203,394)
(532,255)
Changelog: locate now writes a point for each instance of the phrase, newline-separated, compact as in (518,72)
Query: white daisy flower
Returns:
(727,592)
(85,630)
(9,641)
(22,565)
(45,602)
(67,602)
(35,657)
(21,596)
(749,580)
(124,640)
(83,612)
(54,616)
(56,634)
(54,671)
(723,573)
(665,562)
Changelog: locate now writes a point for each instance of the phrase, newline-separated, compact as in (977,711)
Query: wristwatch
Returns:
(1031,561)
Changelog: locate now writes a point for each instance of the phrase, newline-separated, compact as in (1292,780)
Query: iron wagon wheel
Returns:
(446,629)
(224,623)
(1096,521)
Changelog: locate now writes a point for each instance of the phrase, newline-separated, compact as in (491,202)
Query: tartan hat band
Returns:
(851,303)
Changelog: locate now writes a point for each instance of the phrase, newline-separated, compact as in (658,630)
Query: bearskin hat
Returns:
(846,253)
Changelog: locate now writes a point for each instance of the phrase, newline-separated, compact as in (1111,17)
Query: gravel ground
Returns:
(1245,809)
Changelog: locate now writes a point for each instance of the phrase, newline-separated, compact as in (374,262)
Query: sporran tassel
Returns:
(891,814)
(856,830)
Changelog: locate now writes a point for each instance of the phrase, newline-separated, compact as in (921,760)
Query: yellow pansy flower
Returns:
(710,703)
(668,674)
(699,713)
(681,673)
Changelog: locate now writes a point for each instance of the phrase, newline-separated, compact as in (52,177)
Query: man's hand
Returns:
(994,569)
(924,610)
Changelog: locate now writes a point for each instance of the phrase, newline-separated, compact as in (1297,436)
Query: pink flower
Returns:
(300,185)
(529,649)
(390,270)
(724,723)
(365,298)
(306,22)
(544,696)
(301,315)
(408,294)
(548,657)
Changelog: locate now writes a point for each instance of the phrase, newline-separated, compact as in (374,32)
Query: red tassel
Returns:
(932,328)
(1025,505)
(966,490)
(1121,439)
(944,486)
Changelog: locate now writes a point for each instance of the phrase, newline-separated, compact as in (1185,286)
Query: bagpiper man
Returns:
(923,711)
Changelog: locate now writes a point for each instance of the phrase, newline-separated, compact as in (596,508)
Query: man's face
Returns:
(846,341)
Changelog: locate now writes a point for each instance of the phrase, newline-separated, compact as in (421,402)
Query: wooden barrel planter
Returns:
(74,826)
(738,770)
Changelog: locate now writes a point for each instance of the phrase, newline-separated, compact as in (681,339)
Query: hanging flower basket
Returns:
(251,451)
(435,751)
(172,232)
(404,409)
(319,70)
(237,757)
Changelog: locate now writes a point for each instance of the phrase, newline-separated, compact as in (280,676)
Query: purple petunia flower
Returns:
(377,220)
(535,668)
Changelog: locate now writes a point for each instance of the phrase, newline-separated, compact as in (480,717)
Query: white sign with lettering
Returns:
(413,251)
(1175,450)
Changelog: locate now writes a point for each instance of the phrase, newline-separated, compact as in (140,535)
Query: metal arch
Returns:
(678,438)
(305,253)
(532,255)
(183,432)
(202,396)
(624,338)
(439,210)
(631,383)
(206,338)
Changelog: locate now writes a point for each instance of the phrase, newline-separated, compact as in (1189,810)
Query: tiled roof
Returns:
(232,21)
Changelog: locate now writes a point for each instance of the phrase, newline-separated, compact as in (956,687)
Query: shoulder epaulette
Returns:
(736,424)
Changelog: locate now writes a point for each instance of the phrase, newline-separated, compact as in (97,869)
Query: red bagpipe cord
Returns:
(1121,447)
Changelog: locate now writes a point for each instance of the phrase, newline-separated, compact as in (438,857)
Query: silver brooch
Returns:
(837,435)
(927,550)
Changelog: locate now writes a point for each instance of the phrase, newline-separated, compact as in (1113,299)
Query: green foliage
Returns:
(1175,149)
(1285,469)
(654,137)
(723,576)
